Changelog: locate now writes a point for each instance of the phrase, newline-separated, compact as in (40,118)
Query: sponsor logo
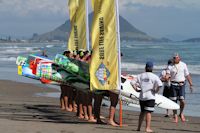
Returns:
(102,74)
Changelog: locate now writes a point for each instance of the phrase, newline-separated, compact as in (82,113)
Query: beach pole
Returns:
(119,62)
(87,26)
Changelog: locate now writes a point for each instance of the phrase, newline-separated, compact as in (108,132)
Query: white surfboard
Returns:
(129,92)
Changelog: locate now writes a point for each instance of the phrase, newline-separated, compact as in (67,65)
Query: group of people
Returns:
(174,77)
(74,100)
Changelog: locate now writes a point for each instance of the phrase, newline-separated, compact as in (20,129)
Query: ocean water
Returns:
(133,61)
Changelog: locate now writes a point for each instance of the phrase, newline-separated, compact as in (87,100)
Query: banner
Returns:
(104,62)
(77,37)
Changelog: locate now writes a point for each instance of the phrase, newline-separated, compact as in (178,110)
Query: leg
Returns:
(66,97)
(90,114)
(182,105)
(166,93)
(141,118)
(148,122)
(85,105)
(146,108)
(97,107)
(62,103)
(114,101)
(80,106)
(182,102)
(74,101)
(173,97)
(167,113)
(70,95)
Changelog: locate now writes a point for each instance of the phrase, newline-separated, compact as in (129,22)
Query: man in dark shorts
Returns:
(149,84)
(179,73)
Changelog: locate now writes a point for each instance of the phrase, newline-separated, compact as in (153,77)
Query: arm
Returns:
(157,89)
(158,85)
(135,86)
(188,77)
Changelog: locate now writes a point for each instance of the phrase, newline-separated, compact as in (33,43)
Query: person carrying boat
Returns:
(87,96)
(66,97)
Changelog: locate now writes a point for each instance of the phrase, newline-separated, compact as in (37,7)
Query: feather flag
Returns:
(77,38)
(104,62)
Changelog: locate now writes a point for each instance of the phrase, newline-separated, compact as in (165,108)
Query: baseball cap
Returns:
(149,64)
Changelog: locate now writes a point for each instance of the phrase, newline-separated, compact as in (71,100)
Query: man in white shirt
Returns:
(150,85)
(179,73)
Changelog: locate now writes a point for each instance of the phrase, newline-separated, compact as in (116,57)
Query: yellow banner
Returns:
(77,12)
(104,63)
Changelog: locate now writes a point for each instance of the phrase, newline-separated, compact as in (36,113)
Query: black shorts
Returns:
(147,106)
(166,91)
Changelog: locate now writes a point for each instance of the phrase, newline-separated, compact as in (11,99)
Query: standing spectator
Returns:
(150,85)
(179,73)
(165,78)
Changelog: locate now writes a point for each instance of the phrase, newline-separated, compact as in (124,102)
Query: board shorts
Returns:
(177,92)
(166,91)
(147,106)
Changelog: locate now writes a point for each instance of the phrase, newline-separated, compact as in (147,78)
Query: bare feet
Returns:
(111,122)
(175,119)
(74,109)
(149,131)
(81,116)
(92,120)
(86,117)
(62,108)
(69,109)
(182,117)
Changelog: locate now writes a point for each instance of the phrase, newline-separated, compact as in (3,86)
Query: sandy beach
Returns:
(21,111)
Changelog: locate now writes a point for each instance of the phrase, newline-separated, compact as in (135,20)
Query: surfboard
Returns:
(57,75)
(65,71)
(27,67)
(128,91)
(78,68)
(26,72)
(20,61)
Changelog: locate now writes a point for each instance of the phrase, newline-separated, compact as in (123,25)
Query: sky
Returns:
(174,19)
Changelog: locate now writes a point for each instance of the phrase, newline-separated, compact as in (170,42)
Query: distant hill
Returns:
(192,40)
(127,32)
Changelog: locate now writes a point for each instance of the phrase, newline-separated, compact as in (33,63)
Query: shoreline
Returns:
(21,111)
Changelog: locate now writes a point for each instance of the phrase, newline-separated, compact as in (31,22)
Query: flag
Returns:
(77,37)
(104,62)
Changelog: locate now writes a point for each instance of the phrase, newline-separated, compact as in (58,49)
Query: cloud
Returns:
(55,7)
(181,4)
(27,7)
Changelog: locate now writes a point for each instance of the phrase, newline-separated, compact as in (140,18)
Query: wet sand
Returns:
(21,111)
